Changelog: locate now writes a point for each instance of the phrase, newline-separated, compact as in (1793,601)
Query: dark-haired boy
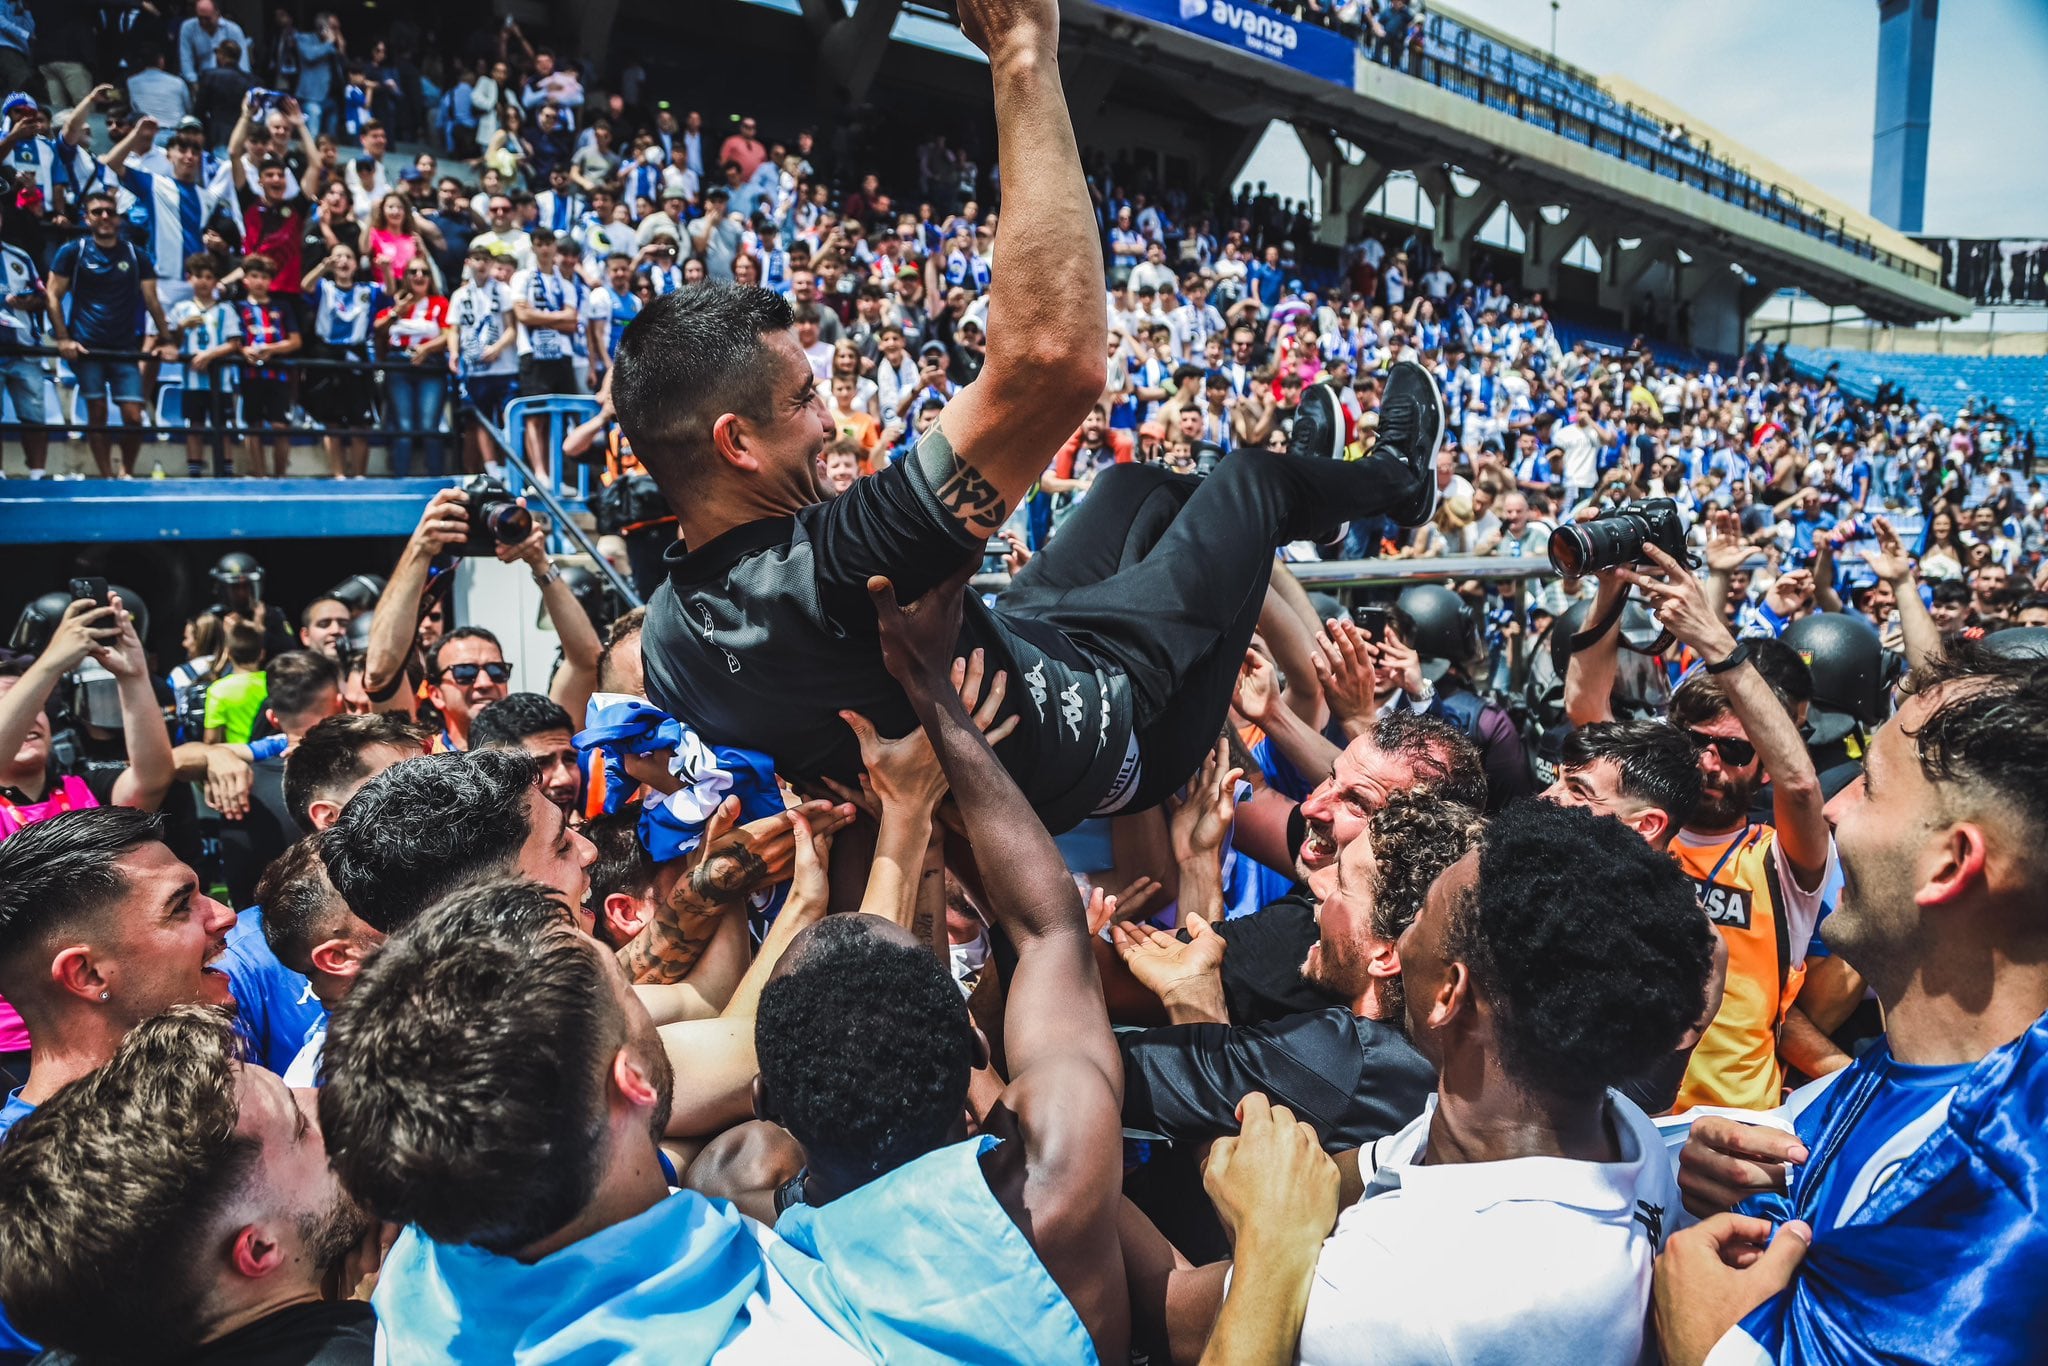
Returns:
(270,328)
(209,335)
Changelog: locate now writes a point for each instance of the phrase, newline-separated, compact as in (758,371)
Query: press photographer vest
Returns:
(1736,879)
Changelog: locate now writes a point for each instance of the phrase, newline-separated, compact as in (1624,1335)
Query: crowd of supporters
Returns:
(1633,951)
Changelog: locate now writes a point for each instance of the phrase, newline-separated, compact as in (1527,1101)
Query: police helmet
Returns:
(1445,632)
(1846,660)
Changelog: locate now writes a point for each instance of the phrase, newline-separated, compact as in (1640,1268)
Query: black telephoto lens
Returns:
(1584,548)
(511,524)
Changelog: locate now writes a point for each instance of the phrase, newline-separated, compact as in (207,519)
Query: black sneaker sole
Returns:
(1422,513)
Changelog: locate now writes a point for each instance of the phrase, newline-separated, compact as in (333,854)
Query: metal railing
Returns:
(509,435)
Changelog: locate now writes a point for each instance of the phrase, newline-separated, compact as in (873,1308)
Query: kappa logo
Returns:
(1035,680)
(1651,1217)
(1072,708)
(1102,741)
(732,663)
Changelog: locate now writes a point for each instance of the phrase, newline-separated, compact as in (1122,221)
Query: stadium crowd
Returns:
(1637,956)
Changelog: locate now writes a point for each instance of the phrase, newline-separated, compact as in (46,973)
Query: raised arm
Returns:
(150,767)
(1276,1191)
(1590,670)
(1891,563)
(394,626)
(1049,335)
(1796,801)
(1056,1015)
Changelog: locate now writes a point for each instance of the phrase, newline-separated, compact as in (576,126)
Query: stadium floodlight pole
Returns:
(1553,30)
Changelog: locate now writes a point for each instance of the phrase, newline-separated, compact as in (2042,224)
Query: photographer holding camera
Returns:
(478,518)
(1760,884)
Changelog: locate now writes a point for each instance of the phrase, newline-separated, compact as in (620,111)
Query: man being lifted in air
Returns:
(1122,639)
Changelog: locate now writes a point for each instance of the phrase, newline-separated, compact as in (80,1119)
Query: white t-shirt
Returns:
(549,293)
(1581,455)
(481,314)
(1534,1259)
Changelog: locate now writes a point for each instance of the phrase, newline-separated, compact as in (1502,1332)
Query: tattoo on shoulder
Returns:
(967,494)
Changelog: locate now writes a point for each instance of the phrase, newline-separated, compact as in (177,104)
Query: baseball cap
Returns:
(19,102)
(412,175)
(188,124)
(907,273)
(932,348)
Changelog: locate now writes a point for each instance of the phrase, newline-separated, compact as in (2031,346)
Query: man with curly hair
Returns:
(1347,1069)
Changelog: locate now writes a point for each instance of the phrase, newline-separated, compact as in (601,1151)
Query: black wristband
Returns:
(1737,657)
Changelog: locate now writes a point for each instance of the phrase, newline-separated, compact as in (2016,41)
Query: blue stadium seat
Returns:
(2017,384)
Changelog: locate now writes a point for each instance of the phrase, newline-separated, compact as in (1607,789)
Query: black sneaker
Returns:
(1411,427)
(1318,425)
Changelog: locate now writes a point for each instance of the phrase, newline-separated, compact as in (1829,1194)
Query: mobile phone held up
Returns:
(92,590)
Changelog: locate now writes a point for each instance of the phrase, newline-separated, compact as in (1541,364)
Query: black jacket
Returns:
(1354,1079)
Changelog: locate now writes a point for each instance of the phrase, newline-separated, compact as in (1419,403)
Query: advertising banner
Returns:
(1253,28)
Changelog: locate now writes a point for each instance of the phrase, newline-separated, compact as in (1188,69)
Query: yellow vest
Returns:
(1736,1062)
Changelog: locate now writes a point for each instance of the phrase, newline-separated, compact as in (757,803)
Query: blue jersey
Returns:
(173,216)
(625,308)
(342,317)
(274,1006)
(103,309)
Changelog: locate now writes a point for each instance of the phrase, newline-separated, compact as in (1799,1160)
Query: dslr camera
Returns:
(495,517)
(1617,537)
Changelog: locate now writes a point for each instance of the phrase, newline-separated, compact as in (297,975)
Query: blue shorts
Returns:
(487,395)
(96,377)
(22,378)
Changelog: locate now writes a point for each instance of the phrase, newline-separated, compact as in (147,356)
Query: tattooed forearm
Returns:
(969,496)
(668,946)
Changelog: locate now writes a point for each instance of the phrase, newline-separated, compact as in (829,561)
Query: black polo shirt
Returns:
(761,637)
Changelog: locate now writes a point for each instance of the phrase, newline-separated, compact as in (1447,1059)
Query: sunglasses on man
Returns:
(1734,753)
(465,674)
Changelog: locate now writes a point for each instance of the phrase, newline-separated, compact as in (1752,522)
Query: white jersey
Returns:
(1535,1259)
(481,314)
(550,293)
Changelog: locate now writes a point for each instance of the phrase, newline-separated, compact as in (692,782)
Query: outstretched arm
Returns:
(1065,1092)
(1049,336)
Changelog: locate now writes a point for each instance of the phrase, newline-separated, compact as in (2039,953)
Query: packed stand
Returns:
(1152,953)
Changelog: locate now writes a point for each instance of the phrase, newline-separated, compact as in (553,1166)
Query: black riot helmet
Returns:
(2018,642)
(38,622)
(358,592)
(593,594)
(1446,632)
(1846,660)
(237,583)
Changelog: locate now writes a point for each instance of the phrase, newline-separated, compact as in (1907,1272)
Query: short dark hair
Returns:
(245,642)
(1654,762)
(459,633)
(1990,731)
(865,1046)
(465,1074)
(1444,760)
(301,909)
(1588,945)
(515,716)
(62,870)
(691,356)
(296,680)
(420,830)
(329,757)
(110,1189)
(622,864)
(306,615)
(1950,593)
